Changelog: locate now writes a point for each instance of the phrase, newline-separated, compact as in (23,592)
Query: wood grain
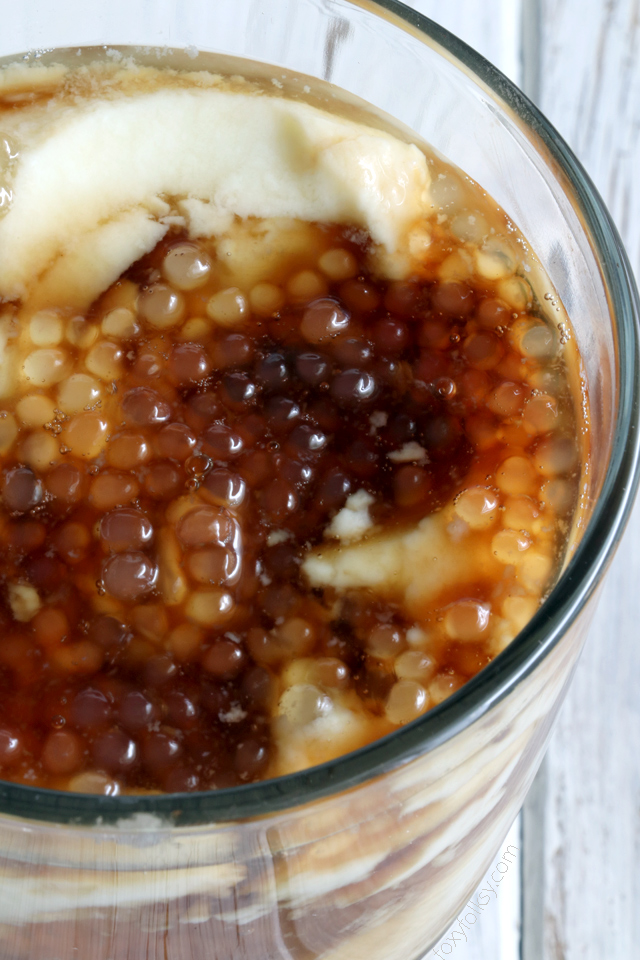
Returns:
(589,812)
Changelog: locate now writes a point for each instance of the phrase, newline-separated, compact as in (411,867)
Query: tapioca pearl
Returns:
(196,330)
(338,264)
(519,611)
(333,489)
(415,665)
(352,388)
(239,391)
(114,751)
(556,455)
(406,701)
(467,620)
(558,494)
(280,499)
(362,459)
(159,671)
(40,450)
(313,368)
(201,410)
(440,434)
(390,336)
(120,324)
(470,227)
(142,406)
(225,488)
(62,752)
(360,296)
(86,435)
(534,339)
(494,314)
(516,291)
(266,299)
(164,481)
(127,576)
(435,334)
(541,413)
(402,297)
(71,541)
(516,476)
(160,749)
(182,709)
(105,360)
(271,371)
(330,672)
(256,687)
(108,633)
(205,525)
(385,640)
(323,320)
(50,626)
(444,685)
(307,441)
(35,410)
(228,308)
(304,286)
(296,636)
(94,782)
(213,565)
(109,490)
(303,703)
(81,333)
(125,529)
(8,431)
(161,306)
(298,474)
(452,299)
(411,485)
(483,350)
(482,430)
(78,392)
(46,329)
(188,363)
(251,758)
(175,441)
(234,350)
(210,608)
(477,506)
(507,400)
(11,746)
(25,536)
(148,364)
(351,352)
(225,659)
(128,451)
(21,489)
(222,442)
(47,366)
(90,708)
(520,513)
(186,267)
(184,642)
(535,569)
(282,414)
(137,712)
(508,546)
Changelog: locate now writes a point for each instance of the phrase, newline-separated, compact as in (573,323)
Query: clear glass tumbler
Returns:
(368,857)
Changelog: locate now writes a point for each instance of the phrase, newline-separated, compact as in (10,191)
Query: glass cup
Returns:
(370,856)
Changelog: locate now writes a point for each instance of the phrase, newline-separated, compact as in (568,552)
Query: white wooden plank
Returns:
(588,820)
(493,29)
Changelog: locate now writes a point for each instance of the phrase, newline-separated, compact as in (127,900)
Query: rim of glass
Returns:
(568,597)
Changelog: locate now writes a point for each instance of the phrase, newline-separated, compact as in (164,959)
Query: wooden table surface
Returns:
(577,893)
